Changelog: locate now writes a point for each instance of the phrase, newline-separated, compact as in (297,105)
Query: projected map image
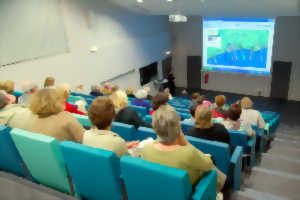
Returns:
(245,48)
(238,45)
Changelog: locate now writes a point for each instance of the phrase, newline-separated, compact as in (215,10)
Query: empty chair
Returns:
(43,158)
(239,138)
(146,180)
(10,159)
(142,111)
(144,133)
(127,132)
(229,164)
(95,172)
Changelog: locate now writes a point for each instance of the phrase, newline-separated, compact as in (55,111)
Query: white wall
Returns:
(187,41)
(125,40)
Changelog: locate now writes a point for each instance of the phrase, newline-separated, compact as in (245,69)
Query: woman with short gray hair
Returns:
(172,149)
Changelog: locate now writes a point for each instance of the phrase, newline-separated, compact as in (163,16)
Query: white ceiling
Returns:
(215,8)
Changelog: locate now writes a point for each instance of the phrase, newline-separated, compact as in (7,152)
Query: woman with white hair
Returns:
(172,149)
(29,88)
(125,114)
(140,96)
(64,90)
(249,115)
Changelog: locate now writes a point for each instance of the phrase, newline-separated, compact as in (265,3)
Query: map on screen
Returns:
(238,45)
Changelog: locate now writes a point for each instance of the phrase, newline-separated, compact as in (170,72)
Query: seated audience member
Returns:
(193,108)
(159,99)
(249,115)
(167,91)
(194,96)
(14,115)
(101,114)
(106,90)
(172,149)
(125,114)
(96,90)
(115,88)
(148,90)
(64,90)
(129,92)
(50,118)
(29,88)
(8,86)
(233,122)
(218,108)
(205,129)
(140,96)
(49,82)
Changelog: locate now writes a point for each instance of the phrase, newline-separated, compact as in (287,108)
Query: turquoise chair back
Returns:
(73,99)
(83,120)
(144,133)
(148,181)
(95,172)
(184,116)
(18,93)
(43,158)
(187,125)
(10,159)
(148,119)
(141,111)
(126,131)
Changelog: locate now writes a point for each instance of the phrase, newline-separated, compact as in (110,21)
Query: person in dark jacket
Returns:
(206,130)
(125,114)
(171,83)
(95,90)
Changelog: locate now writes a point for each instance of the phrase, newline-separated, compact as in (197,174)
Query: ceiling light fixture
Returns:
(169,0)
(177,18)
(140,1)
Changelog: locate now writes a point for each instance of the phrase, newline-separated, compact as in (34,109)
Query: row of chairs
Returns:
(229,163)
(92,173)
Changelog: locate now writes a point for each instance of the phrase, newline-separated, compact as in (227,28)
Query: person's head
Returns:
(46,102)
(115,88)
(96,88)
(129,91)
(246,103)
(193,109)
(220,100)
(199,100)
(3,100)
(101,112)
(195,95)
(8,86)
(49,82)
(107,86)
(29,87)
(203,117)
(64,90)
(166,123)
(119,99)
(141,94)
(159,99)
(234,112)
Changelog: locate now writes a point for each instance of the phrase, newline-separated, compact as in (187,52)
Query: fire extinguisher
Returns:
(206,77)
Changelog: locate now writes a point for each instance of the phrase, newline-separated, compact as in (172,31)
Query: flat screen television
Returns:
(148,73)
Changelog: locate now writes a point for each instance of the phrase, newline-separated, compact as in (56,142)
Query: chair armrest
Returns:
(251,150)
(260,132)
(207,186)
(236,164)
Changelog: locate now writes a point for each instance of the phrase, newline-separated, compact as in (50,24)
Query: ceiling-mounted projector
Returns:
(177,18)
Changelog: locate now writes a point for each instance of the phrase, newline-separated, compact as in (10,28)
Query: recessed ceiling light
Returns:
(169,0)
(139,1)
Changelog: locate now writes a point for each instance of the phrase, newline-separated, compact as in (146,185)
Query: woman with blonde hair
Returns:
(205,129)
(125,114)
(249,115)
(8,86)
(49,82)
(50,118)
(129,92)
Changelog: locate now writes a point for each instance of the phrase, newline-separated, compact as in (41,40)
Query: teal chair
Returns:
(73,99)
(126,131)
(10,159)
(83,120)
(259,138)
(240,138)
(95,172)
(148,181)
(148,119)
(144,133)
(229,164)
(18,93)
(43,158)
(141,111)
(185,126)
(184,116)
